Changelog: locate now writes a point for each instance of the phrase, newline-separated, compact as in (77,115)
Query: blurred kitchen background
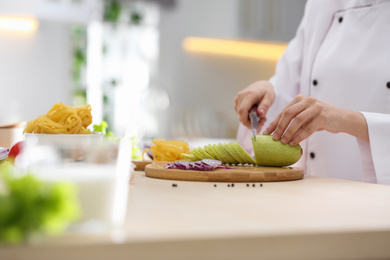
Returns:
(160,68)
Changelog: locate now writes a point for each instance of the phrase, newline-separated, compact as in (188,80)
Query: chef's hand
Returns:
(260,93)
(306,115)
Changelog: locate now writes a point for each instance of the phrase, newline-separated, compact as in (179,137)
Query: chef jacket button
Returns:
(312,155)
(388,84)
(340,19)
(315,82)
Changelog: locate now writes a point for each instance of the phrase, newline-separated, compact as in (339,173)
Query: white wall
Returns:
(35,71)
(202,87)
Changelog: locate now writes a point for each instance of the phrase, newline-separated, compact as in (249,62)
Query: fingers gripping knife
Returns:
(254,118)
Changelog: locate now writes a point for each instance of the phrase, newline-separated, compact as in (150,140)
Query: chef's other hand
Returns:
(260,93)
(306,115)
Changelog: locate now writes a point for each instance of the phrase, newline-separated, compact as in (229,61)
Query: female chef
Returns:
(331,92)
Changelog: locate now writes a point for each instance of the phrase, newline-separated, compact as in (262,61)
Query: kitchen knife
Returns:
(254,118)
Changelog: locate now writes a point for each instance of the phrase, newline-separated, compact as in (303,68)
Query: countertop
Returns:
(312,218)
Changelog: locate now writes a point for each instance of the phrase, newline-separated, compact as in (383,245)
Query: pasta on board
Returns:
(62,119)
(168,150)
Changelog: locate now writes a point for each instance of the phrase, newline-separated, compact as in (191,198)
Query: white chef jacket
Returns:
(341,56)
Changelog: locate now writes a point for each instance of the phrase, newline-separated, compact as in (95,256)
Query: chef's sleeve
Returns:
(379,147)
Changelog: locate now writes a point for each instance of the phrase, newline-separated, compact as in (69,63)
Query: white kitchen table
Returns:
(312,218)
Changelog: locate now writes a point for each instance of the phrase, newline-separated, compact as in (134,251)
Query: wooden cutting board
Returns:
(140,164)
(238,174)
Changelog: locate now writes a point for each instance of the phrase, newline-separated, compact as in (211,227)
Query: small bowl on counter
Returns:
(11,134)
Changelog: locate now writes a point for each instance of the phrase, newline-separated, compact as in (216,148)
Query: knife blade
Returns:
(254,118)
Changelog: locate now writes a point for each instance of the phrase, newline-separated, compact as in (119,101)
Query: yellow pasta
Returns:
(168,150)
(62,119)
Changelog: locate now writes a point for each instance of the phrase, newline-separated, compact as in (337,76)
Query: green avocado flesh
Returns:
(269,152)
(228,153)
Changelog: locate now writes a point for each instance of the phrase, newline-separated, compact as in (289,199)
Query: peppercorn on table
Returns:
(311,218)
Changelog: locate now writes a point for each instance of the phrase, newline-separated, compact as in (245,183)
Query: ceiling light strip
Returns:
(249,49)
(18,24)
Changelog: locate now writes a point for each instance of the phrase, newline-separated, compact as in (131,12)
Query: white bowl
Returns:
(69,140)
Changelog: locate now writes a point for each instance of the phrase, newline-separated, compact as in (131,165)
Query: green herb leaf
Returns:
(30,207)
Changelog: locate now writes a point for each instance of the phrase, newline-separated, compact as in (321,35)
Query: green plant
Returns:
(103,128)
(79,63)
(112,10)
(30,207)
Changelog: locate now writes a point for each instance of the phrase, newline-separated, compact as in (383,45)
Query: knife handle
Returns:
(253,109)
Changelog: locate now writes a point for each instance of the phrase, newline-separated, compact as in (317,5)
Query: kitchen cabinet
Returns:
(272,20)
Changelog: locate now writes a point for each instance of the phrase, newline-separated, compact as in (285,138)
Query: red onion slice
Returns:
(203,165)
(170,165)
(184,165)
(211,162)
(3,153)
